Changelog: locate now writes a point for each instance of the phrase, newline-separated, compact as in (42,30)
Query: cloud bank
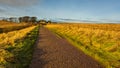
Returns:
(10,7)
(18,3)
(2,10)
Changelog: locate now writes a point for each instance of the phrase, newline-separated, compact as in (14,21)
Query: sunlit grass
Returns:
(10,26)
(11,37)
(101,41)
(16,47)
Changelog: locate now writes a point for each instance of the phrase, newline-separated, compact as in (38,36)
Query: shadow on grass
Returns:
(20,54)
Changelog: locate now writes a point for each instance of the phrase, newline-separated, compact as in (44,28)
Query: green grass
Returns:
(19,55)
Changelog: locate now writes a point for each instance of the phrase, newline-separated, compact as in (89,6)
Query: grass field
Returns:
(100,41)
(10,26)
(16,46)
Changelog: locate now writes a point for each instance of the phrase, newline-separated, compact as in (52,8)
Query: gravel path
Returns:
(54,52)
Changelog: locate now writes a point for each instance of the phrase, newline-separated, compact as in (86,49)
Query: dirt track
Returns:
(54,52)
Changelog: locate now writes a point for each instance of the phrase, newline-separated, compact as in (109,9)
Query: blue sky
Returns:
(94,10)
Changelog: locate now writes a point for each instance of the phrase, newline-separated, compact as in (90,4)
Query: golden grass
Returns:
(11,37)
(10,26)
(101,41)
(4,24)
(16,47)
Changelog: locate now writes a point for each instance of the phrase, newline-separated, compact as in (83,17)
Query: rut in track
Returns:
(52,51)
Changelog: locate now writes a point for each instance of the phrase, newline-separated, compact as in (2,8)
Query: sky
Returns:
(74,10)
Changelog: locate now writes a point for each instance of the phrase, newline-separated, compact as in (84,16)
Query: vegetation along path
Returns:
(52,51)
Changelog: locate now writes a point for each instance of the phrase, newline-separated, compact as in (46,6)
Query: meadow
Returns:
(11,26)
(100,41)
(16,46)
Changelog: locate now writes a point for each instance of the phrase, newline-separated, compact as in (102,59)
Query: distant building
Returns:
(43,22)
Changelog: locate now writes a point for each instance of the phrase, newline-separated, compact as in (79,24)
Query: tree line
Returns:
(27,19)
(21,19)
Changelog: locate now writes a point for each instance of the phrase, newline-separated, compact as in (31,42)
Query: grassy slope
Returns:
(19,55)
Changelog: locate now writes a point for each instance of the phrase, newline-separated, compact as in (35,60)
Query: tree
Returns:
(20,19)
(11,19)
(49,22)
(33,19)
(26,19)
